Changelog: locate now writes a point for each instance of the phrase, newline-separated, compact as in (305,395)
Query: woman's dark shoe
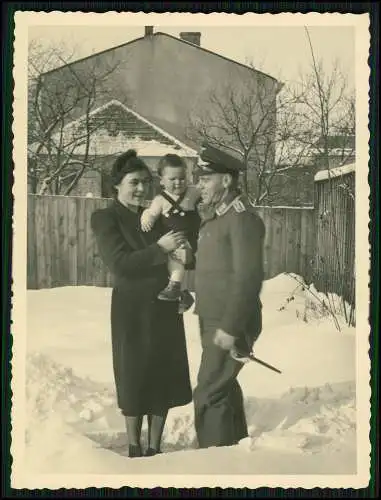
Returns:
(134,451)
(150,452)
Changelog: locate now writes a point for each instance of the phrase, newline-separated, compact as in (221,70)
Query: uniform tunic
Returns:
(228,281)
(148,339)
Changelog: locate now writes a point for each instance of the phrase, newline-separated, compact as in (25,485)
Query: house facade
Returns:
(163,78)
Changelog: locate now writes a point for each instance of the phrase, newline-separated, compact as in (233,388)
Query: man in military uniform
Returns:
(228,281)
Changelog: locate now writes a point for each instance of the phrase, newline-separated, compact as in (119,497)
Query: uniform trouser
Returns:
(218,402)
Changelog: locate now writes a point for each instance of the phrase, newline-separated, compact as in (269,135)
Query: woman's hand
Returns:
(171,241)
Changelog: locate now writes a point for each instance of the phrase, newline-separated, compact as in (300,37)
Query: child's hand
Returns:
(146,226)
(146,223)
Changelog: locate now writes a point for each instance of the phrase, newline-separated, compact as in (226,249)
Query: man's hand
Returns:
(224,340)
(241,357)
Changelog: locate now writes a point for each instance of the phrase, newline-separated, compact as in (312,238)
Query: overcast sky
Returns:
(283,52)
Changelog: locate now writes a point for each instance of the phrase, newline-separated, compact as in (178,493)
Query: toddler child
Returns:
(176,205)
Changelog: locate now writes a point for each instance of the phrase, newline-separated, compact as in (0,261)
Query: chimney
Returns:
(148,30)
(191,37)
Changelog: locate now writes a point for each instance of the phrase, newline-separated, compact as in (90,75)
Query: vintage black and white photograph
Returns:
(191,254)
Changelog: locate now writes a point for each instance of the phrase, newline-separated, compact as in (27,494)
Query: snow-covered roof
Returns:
(116,128)
(335,172)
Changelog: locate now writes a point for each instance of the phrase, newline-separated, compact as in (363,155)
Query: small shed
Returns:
(334,263)
(113,128)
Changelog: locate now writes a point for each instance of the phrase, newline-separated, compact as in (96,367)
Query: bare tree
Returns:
(257,123)
(59,155)
(275,128)
(327,109)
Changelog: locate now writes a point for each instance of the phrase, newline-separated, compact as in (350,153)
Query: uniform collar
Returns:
(227,203)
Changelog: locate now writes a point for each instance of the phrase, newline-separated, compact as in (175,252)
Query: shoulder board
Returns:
(239,206)
(222,209)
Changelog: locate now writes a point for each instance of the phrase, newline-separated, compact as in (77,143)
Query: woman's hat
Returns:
(126,163)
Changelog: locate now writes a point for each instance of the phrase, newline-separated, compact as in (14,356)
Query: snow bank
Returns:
(296,300)
(308,411)
(74,425)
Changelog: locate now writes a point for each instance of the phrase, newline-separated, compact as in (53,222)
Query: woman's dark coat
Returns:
(148,339)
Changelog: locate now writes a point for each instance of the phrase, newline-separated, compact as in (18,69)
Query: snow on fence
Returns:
(62,249)
(334,262)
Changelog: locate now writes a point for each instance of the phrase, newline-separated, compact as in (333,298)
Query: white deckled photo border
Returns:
(20,476)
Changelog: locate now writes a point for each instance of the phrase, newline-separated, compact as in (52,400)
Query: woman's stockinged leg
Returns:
(156,425)
(134,430)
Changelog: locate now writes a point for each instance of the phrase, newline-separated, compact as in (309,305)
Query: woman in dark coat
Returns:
(148,339)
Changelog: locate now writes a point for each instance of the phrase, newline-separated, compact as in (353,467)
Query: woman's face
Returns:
(133,188)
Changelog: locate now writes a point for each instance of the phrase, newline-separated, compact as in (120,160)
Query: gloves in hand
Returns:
(224,340)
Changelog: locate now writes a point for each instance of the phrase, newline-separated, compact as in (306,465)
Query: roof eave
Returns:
(154,35)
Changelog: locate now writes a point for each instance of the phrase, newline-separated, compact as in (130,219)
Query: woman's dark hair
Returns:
(170,160)
(127,163)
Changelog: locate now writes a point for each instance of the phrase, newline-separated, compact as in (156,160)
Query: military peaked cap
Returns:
(215,160)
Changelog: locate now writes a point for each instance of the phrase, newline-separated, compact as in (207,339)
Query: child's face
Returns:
(173,180)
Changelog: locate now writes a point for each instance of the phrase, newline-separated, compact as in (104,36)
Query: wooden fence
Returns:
(62,249)
(334,261)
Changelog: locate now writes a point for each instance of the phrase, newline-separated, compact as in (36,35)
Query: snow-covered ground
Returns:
(301,422)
